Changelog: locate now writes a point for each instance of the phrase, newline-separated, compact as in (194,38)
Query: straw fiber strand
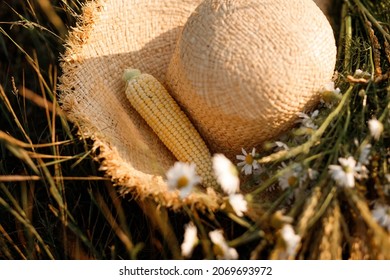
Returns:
(244,81)
(111,36)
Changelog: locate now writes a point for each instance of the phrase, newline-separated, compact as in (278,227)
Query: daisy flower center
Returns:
(292,180)
(218,251)
(182,182)
(347,169)
(249,159)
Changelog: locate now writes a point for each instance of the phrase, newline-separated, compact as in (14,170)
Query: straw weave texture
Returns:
(244,69)
(116,34)
(113,35)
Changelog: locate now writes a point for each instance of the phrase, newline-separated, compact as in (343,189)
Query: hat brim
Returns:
(113,35)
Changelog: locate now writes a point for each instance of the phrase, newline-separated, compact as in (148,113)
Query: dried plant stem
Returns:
(125,238)
(330,244)
(20,216)
(376,55)
(381,239)
(348,43)
(159,217)
(7,103)
(324,206)
(366,12)
(247,237)
(21,178)
(309,211)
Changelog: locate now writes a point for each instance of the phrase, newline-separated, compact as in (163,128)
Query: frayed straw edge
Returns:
(129,180)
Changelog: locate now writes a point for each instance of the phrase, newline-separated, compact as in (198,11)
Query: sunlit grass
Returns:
(54,202)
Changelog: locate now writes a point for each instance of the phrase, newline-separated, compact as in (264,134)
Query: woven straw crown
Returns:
(243,80)
(116,34)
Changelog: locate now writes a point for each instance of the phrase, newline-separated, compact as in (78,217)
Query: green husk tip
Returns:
(130,73)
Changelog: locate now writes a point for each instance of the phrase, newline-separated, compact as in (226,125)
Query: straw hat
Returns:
(113,35)
(244,69)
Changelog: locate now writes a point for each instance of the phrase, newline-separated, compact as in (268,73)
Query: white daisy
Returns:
(222,249)
(288,179)
(376,128)
(361,74)
(278,219)
(182,176)
(238,203)
(329,87)
(381,214)
(291,177)
(226,173)
(330,94)
(344,174)
(364,154)
(308,121)
(361,171)
(248,162)
(190,240)
(313,174)
(291,239)
(280,146)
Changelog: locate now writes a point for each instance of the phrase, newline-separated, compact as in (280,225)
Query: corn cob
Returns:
(161,112)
